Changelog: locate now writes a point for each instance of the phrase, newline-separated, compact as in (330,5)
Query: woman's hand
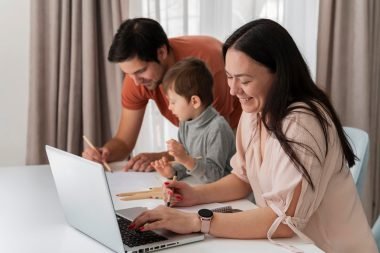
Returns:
(167,218)
(163,167)
(180,193)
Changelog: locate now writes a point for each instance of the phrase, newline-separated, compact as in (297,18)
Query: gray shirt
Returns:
(210,137)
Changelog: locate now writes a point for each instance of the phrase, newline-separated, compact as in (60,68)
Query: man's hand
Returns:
(99,155)
(142,162)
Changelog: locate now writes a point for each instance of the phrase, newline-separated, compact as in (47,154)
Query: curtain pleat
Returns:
(374,158)
(345,60)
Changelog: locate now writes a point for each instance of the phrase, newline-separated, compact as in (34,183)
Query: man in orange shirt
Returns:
(144,54)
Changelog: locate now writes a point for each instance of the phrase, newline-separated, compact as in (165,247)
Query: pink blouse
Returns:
(331,215)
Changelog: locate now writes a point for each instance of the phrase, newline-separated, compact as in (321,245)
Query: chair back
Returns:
(360,144)
(376,232)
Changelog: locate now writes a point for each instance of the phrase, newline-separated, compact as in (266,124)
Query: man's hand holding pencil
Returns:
(94,154)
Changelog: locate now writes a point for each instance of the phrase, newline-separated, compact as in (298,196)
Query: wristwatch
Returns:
(205,215)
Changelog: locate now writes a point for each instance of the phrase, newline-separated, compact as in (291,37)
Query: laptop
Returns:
(87,204)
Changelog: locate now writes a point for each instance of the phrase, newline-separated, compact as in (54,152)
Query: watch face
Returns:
(205,213)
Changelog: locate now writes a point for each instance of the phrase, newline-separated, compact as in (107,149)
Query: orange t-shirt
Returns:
(207,49)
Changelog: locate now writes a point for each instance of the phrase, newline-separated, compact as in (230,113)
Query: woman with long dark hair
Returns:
(291,152)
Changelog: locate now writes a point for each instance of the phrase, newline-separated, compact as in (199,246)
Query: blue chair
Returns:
(376,232)
(360,144)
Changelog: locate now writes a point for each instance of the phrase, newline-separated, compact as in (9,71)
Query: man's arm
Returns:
(125,139)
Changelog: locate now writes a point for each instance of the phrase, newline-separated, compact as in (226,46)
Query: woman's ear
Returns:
(162,53)
(195,102)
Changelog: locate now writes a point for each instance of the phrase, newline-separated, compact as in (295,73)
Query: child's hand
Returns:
(177,150)
(163,167)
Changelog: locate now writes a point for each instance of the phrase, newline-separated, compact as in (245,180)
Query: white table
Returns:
(31,219)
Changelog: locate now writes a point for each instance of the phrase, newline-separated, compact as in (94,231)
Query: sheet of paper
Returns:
(132,181)
(118,166)
(121,182)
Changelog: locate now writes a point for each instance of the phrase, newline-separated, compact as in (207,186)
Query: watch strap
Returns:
(205,225)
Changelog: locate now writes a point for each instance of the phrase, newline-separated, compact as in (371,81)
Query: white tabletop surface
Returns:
(32,221)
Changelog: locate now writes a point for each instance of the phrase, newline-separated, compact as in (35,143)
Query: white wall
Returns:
(14,80)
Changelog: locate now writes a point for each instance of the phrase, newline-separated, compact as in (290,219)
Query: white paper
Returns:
(132,181)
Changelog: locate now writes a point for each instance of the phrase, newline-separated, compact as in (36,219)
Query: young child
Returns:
(206,141)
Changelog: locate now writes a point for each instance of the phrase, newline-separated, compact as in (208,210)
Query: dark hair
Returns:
(190,77)
(270,44)
(140,37)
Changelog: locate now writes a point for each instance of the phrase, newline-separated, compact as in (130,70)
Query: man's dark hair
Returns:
(140,37)
(190,77)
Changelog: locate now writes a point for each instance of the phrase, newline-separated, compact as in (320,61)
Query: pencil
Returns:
(138,197)
(151,190)
(141,195)
(169,201)
(105,164)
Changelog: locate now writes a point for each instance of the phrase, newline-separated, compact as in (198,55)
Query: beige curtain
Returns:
(348,69)
(374,129)
(74,91)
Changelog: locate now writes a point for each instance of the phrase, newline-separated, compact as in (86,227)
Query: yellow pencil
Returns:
(142,195)
(151,190)
(105,164)
(138,197)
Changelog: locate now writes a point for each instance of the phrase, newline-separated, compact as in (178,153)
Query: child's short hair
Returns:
(190,77)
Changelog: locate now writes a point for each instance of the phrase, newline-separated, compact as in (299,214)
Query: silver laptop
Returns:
(87,204)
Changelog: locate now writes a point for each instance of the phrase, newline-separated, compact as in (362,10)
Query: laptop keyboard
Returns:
(135,237)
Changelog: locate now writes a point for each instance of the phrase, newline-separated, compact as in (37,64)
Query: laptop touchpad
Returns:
(131,213)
